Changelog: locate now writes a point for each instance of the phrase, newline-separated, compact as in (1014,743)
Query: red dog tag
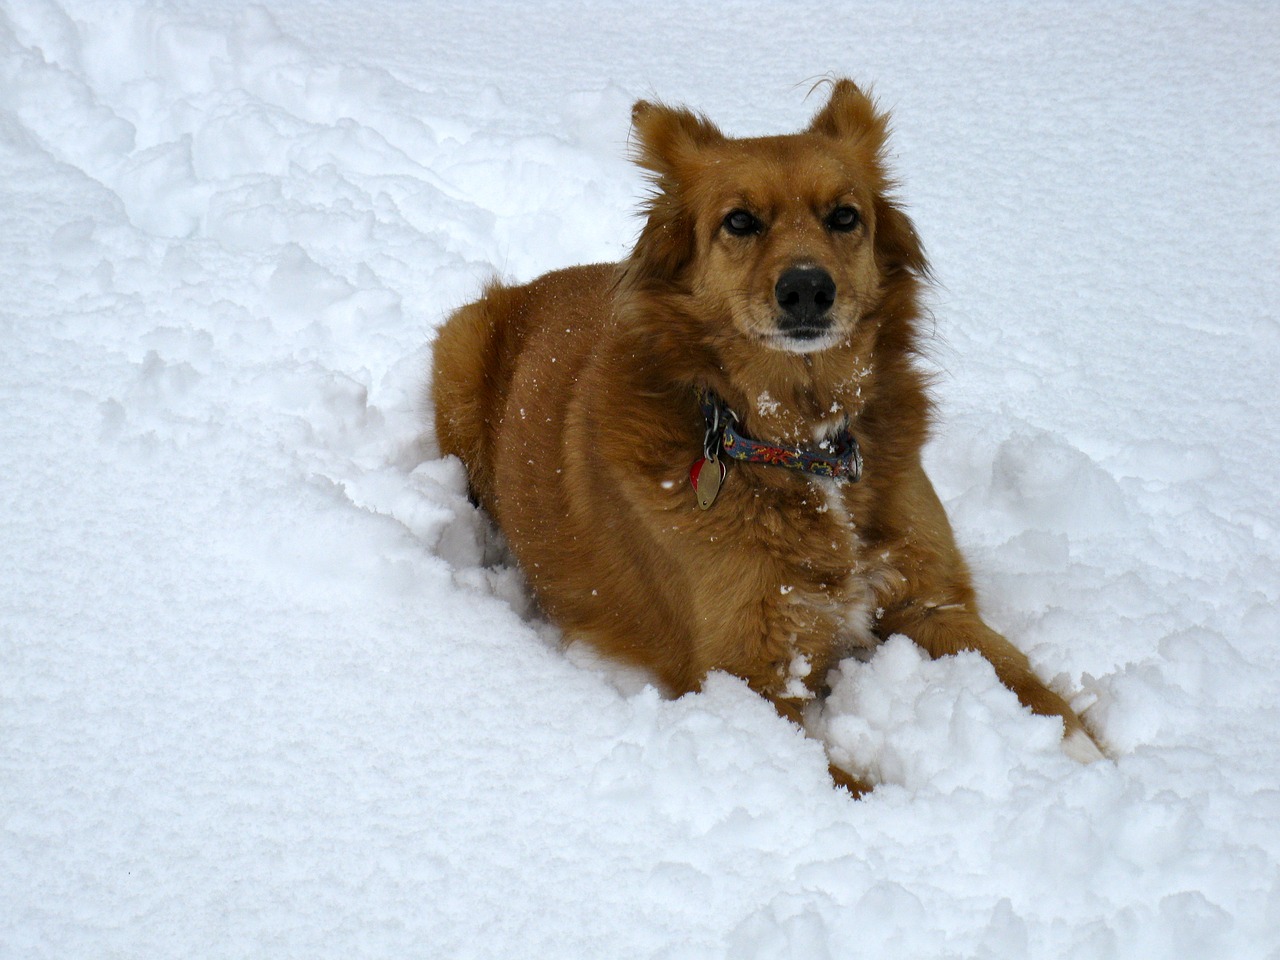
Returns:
(706,483)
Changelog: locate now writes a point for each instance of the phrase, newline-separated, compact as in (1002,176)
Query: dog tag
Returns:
(706,483)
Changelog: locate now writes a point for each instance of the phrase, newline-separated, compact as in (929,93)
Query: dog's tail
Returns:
(470,375)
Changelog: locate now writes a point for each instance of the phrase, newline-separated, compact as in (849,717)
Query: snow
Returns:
(268,684)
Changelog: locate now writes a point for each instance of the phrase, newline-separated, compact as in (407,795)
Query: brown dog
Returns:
(764,329)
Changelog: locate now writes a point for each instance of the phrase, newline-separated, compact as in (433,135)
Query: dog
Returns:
(707,456)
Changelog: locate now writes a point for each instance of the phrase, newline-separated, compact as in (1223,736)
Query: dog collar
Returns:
(843,462)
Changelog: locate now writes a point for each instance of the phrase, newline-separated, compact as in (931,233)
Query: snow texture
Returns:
(268,686)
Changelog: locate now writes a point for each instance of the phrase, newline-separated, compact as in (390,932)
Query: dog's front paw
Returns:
(1081,747)
(856,786)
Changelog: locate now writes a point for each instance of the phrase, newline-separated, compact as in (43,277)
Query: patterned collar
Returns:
(838,458)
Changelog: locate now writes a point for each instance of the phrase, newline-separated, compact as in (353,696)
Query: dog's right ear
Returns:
(666,135)
(667,140)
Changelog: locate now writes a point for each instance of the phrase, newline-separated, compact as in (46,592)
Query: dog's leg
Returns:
(934,604)
(786,660)
(942,632)
(790,709)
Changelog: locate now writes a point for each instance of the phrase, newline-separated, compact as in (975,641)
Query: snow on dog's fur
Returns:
(779,274)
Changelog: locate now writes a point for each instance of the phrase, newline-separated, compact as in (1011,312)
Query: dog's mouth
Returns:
(807,338)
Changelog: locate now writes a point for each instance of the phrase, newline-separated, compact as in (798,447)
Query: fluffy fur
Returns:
(572,402)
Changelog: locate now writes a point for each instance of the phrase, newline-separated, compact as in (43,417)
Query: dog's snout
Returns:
(805,295)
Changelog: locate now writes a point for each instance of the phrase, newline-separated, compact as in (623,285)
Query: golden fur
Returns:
(572,401)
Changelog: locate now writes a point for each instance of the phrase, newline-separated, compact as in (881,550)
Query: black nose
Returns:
(805,294)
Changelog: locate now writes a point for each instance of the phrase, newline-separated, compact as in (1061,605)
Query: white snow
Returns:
(268,683)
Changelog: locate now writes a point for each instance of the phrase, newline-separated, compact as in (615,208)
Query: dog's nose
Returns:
(805,294)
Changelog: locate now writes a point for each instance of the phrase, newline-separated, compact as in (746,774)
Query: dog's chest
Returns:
(847,589)
(825,573)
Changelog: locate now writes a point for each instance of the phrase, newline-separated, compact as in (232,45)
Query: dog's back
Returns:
(479,350)
(528,395)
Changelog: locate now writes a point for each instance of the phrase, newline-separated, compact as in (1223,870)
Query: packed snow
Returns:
(269,684)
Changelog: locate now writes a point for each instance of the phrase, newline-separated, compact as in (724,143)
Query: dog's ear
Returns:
(666,140)
(850,115)
(666,135)
(897,244)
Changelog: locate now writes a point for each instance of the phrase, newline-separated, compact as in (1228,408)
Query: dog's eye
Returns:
(741,224)
(843,219)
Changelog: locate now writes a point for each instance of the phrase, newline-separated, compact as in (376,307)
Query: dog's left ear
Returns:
(851,115)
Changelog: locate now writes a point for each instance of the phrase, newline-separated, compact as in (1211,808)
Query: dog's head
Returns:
(789,240)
